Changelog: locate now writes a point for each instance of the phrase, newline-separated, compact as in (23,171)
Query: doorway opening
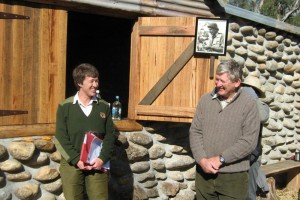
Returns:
(105,43)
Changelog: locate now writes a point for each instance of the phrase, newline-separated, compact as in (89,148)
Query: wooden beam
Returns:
(280,167)
(49,129)
(169,75)
(167,30)
(127,125)
(290,167)
(165,111)
(26,130)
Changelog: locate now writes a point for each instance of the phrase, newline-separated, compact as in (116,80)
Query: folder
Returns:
(90,150)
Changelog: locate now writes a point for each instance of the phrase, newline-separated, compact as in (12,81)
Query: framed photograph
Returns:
(211,36)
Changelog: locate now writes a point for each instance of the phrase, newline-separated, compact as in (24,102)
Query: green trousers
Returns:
(76,182)
(221,186)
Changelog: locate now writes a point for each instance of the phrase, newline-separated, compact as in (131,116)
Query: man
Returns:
(252,86)
(223,133)
(211,41)
(76,116)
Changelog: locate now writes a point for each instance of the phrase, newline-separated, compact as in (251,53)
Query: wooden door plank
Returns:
(43,85)
(169,75)
(134,72)
(36,61)
(17,61)
(2,59)
(57,62)
(7,64)
(29,70)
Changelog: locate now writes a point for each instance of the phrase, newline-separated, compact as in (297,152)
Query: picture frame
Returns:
(210,36)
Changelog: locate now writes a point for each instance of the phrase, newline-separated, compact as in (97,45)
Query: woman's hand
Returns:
(97,164)
(81,165)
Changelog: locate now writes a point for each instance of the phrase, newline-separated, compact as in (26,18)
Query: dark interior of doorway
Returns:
(105,43)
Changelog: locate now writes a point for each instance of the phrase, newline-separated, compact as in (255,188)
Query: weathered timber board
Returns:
(280,167)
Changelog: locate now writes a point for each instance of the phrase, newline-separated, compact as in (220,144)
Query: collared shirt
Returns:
(223,102)
(86,109)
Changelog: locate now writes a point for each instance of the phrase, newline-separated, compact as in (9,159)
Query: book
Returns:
(90,150)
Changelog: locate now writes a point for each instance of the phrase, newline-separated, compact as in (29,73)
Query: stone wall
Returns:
(156,163)
(273,57)
(29,169)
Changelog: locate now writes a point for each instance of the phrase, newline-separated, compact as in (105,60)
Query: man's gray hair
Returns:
(232,68)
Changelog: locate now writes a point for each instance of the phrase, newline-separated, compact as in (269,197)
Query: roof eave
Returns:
(258,18)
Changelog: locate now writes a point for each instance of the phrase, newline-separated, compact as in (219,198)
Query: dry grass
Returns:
(281,194)
(284,194)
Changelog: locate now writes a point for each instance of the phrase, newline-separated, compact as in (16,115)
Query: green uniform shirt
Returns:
(72,124)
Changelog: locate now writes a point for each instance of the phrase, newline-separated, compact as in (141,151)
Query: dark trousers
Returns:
(76,182)
(221,186)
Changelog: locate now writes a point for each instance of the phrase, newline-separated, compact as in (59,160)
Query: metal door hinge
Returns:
(12,112)
(4,15)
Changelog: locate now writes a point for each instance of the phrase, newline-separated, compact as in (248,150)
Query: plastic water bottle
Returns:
(98,94)
(116,109)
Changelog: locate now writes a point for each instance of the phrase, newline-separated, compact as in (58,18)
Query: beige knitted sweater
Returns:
(232,131)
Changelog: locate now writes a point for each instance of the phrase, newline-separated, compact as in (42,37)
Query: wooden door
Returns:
(32,68)
(166,80)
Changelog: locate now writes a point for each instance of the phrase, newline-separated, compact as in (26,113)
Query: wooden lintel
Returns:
(165,111)
(127,125)
(167,30)
(4,15)
(169,75)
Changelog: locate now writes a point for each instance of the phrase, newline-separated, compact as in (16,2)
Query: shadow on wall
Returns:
(121,177)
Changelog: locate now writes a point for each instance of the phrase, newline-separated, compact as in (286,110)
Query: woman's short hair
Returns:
(232,68)
(83,70)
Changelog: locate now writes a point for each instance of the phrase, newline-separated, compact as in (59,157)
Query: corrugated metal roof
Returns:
(137,8)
